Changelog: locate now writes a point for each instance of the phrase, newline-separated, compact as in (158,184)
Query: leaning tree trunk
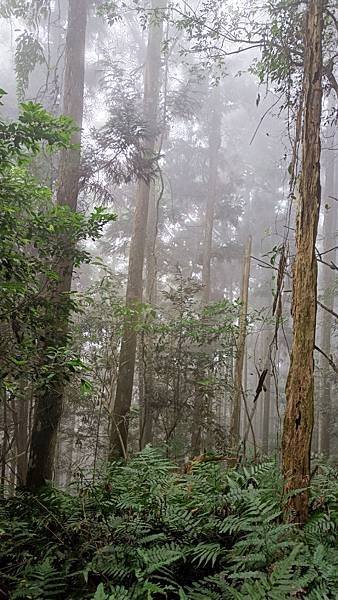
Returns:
(49,400)
(298,420)
(238,376)
(124,390)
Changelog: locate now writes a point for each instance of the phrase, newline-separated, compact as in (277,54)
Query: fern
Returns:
(155,559)
(204,553)
(143,531)
(118,593)
(41,581)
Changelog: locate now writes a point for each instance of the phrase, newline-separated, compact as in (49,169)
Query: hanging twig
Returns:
(263,117)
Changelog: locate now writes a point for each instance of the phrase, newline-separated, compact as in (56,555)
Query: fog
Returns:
(192,145)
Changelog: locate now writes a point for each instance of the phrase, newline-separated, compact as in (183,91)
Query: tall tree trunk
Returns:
(5,444)
(70,448)
(298,420)
(124,390)
(49,400)
(20,420)
(151,264)
(200,411)
(147,369)
(266,411)
(329,236)
(214,146)
(238,376)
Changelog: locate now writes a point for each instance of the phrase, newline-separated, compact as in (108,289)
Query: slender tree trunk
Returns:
(329,235)
(266,412)
(244,400)
(197,421)
(147,404)
(201,411)
(298,420)
(5,444)
(214,146)
(147,368)
(123,398)
(12,473)
(20,420)
(70,448)
(141,391)
(151,264)
(238,378)
(49,400)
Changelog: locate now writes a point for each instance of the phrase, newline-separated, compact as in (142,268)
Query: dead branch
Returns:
(329,310)
(328,358)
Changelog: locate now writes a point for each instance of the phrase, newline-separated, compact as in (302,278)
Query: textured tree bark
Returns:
(298,419)
(49,399)
(239,363)
(124,390)
(329,236)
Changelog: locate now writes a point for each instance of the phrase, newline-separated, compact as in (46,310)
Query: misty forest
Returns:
(168,299)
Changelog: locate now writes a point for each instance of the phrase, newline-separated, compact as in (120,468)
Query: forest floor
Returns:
(142,530)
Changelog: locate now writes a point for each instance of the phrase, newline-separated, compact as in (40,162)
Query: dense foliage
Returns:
(36,236)
(144,530)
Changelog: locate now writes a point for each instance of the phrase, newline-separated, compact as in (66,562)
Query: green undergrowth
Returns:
(142,530)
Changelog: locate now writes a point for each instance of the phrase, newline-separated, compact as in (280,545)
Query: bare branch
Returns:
(329,310)
(328,358)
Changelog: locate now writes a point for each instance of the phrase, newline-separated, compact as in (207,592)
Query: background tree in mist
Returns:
(152,84)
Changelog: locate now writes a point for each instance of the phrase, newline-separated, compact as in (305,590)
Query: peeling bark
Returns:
(298,420)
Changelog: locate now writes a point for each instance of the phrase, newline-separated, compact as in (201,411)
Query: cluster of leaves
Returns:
(29,51)
(29,9)
(28,54)
(216,29)
(143,530)
(119,148)
(37,236)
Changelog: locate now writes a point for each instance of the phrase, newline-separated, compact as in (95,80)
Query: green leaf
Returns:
(86,387)
(100,594)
